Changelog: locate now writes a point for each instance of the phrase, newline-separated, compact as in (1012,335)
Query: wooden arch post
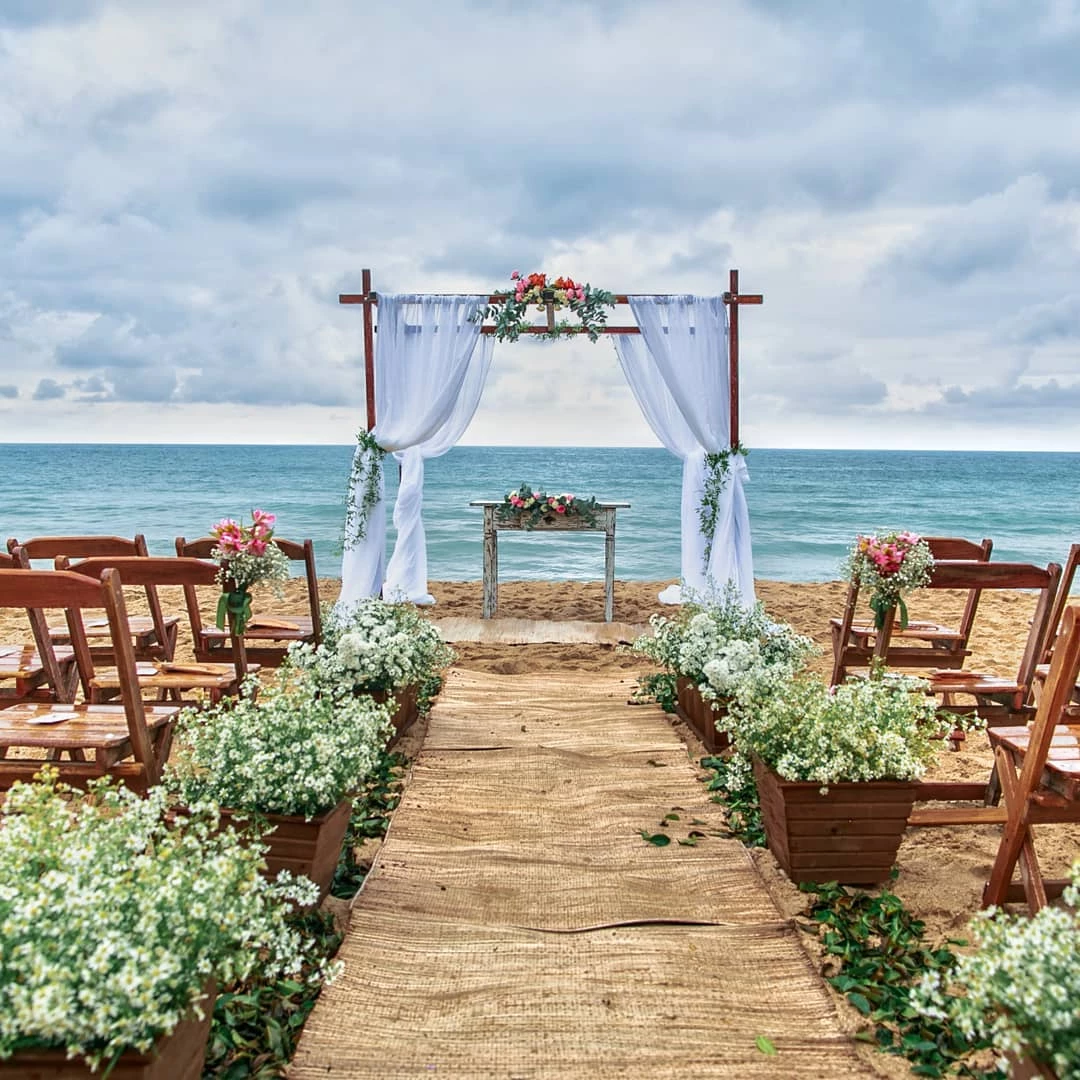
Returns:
(368,299)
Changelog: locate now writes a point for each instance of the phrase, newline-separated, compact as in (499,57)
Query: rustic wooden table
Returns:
(605,523)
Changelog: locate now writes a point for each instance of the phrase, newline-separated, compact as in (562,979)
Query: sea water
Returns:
(805,505)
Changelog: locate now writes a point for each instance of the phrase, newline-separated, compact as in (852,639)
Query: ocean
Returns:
(805,505)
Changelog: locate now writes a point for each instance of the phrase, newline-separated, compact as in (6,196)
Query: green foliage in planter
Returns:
(370,819)
(292,750)
(735,655)
(374,646)
(877,956)
(1020,988)
(882,728)
(114,917)
(257,1025)
(734,788)
(659,686)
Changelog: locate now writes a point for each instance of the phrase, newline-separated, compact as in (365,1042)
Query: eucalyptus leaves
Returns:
(365,487)
(717,473)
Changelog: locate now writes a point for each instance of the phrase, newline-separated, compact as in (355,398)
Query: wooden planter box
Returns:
(406,712)
(177,1056)
(700,716)
(311,848)
(849,835)
(1023,1068)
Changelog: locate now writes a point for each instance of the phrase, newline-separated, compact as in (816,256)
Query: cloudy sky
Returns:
(185,188)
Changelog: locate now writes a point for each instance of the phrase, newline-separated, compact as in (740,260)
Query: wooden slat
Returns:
(959,815)
(48,589)
(150,570)
(94,726)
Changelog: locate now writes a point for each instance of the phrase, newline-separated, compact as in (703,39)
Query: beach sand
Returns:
(941,870)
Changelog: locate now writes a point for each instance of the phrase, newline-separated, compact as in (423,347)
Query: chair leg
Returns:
(1016,846)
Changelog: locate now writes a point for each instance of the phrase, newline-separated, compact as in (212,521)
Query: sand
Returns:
(942,870)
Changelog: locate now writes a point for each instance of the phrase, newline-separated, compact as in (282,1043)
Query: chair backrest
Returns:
(152,571)
(952,548)
(297,552)
(16,559)
(1068,576)
(1011,576)
(25,588)
(83,547)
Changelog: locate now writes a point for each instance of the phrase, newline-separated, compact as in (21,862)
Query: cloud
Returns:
(175,225)
(48,390)
(8,391)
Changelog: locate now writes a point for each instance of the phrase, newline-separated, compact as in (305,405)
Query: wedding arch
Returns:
(425,380)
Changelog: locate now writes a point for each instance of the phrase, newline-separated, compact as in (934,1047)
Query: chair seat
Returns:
(1042,673)
(915,631)
(142,626)
(187,677)
(1062,772)
(23,661)
(975,683)
(301,629)
(91,727)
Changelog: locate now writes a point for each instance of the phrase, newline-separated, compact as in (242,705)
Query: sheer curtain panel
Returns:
(429,375)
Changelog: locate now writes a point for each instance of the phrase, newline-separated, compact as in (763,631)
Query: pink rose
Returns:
(560,509)
(514,275)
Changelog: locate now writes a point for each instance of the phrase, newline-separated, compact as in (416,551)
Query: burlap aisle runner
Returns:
(517,925)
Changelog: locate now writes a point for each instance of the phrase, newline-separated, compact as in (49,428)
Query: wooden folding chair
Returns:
(998,699)
(166,677)
(129,740)
(154,636)
(853,640)
(267,639)
(40,672)
(1039,769)
(1068,576)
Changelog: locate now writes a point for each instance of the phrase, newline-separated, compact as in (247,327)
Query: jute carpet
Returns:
(517,925)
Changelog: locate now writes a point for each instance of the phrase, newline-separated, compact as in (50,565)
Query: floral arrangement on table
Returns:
(735,654)
(247,555)
(510,311)
(885,727)
(294,750)
(115,919)
(891,565)
(1019,989)
(375,647)
(530,508)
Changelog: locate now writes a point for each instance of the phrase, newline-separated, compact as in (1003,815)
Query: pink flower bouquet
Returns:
(891,565)
(531,508)
(247,556)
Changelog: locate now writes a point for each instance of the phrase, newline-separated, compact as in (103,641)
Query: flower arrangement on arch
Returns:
(247,556)
(511,310)
(530,508)
(891,565)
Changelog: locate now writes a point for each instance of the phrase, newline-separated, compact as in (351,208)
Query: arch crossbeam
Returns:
(734,299)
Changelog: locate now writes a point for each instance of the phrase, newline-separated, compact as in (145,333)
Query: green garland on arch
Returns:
(365,480)
(717,472)
(511,309)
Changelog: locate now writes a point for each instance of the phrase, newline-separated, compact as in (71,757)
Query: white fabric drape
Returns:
(429,375)
(678,372)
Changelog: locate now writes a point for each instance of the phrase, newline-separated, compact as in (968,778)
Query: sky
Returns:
(185,189)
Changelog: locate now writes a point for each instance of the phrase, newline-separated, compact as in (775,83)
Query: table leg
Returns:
(609,571)
(491,564)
